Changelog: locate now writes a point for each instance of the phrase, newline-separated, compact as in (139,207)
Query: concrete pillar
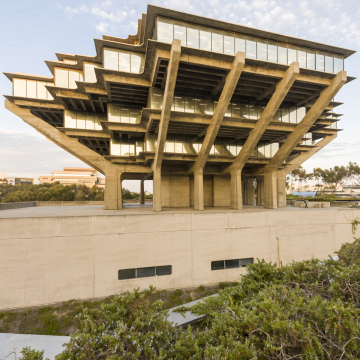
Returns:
(262,191)
(270,190)
(157,190)
(249,191)
(198,190)
(258,191)
(281,189)
(142,198)
(236,191)
(113,191)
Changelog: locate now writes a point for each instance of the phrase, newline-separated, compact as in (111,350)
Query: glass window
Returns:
(192,36)
(338,63)
(262,50)
(228,110)
(124,149)
(19,87)
(329,63)
(111,59)
(217,265)
(261,150)
(61,78)
(163,270)
(139,147)
(244,262)
(217,41)
(310,59)
(165,30)
(267,150)
(41,90)
(134,116)
(239,43)
(151,141)
(124,61)
(239,145)
(261,109)
(302,58)
(31,89)
(179,103)
(320,61)
(229,44)
(293,114)
(292,51)
(125,115)
(205,39)
(250,48)
(145,272)
(89,72)
(277,116)
(70,119)
(235,109)
(301,112)
(170,145)
(272,51)
(126,274)
(274,148)
(73,77)
(230,264)
(48,95)
(178,145)
(98,118)
(253,112)
(81,120)
(204,106)
(282,54)
(180,32)
(285,114)
(245,110)
(189,104)
(114,112)
(156,96)
(136,62)
(90,121)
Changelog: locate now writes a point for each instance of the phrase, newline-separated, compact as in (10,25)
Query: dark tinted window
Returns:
(244,262)
(145,272)
(126,274)
(163,270)
(217,265)
(230,264)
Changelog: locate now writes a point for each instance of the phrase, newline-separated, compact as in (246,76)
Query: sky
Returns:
(32,31)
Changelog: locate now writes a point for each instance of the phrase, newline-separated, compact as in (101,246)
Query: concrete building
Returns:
(73,175)
(20,181)
(2,175)
(200,106)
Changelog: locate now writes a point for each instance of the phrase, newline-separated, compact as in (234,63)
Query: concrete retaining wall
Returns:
(50,259)
(18,205)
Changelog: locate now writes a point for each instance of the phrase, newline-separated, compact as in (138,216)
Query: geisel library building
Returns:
(203,108)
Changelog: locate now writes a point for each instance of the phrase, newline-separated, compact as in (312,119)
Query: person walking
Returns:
(306,203)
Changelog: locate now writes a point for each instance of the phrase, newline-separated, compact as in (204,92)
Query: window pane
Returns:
(217,265)
(244,262)
(274,148)
(126,274)
(165,30)
(217,41)
(114,112)
(124,61)
(277,116)
(178,145)
(230,264)
(239,43)
(338,63)
(73,76)
(163,270)
(170,145)
(41,90)
(253,112)
(19,87)
(267,150)
(310,59)
(245,111)
(89,72)
(189,104)
(145,272)
(272,51)
(48,95)
(70,119)
(125,115)
(293,114)
(134,117)
(292,50)
(193,36)
(156,98)
(205,39)
(320,64)
(136,63)
(180,32)
(282,54)
(179,103)
(124,149)
(235,109)
(228,110)
(111,59)
(80,122)
(302,58)
(261,150)
(250,48)
(31,89)
(301,112)
(90,121)
(262,50)
(61,78)
(285,114)
(329,63)
(229,44)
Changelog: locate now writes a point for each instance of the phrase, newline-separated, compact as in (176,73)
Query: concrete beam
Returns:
(303,127)
(165,118)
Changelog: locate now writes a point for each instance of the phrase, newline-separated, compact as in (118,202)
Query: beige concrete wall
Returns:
(221,190)
(208,190)
(51,259)
(175,190)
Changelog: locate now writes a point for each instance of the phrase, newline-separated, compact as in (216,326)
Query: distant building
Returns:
(147,193)
(2,175)
(20,181)
(73,175)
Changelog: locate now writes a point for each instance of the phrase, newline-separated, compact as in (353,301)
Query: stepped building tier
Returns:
(200,106)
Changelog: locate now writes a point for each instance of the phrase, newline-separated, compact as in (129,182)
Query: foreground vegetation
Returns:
(305,310)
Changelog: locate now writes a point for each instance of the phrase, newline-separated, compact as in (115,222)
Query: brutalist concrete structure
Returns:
(203,107)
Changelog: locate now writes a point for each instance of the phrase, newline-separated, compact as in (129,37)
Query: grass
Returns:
(60,318)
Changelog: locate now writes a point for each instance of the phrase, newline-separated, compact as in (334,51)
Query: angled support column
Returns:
(249,192)
(281,189)
(304,126)
(198,190)
(164,119)
(231,82)
(236,190)
(113,190)
(270,190)
(142,197)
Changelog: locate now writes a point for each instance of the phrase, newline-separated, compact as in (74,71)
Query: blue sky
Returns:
(32,31)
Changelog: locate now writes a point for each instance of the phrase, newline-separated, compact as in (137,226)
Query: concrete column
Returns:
(262,191)
(113,191)
(142,198)
(258,191)
(236,191)
(281,189)
(249,191)
(270,190)
(157,190)
(198,190)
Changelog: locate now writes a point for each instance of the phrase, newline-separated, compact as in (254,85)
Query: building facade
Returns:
(20,181)
(73,175)
(200,106)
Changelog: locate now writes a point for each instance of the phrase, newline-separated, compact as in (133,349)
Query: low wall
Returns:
(312,204)
(51,259)
(18,205)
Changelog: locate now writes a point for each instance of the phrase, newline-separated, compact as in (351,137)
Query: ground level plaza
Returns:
(56,254)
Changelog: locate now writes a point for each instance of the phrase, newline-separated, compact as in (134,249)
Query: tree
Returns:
(335,177)
(317,176)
